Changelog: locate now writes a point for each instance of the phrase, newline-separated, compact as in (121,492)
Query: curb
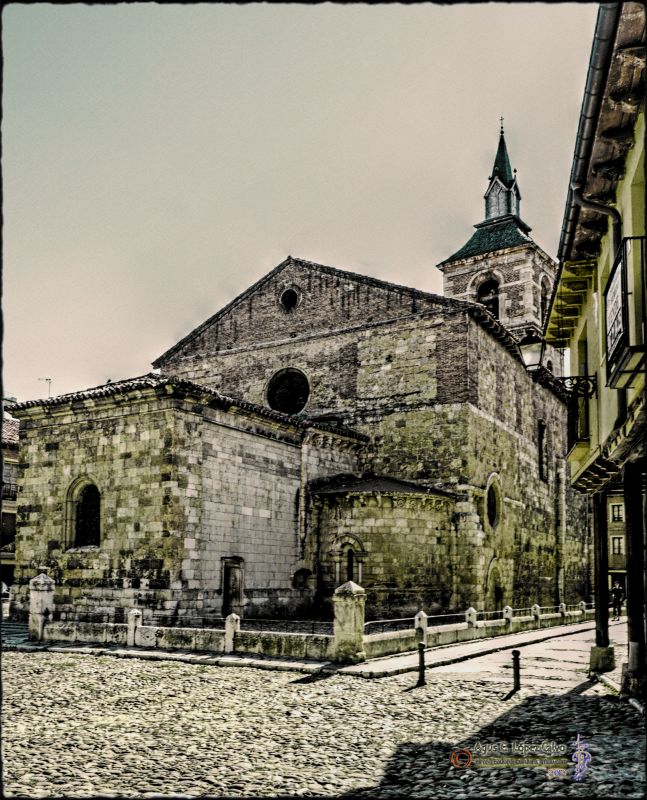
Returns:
(602,678)
(259,662)
(458,658)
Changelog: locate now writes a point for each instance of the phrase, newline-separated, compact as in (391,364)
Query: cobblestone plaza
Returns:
(84,726)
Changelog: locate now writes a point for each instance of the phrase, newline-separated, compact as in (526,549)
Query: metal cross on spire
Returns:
(501,118)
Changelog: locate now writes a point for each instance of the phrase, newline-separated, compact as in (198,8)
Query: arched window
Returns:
(87,517)
(496,202)
(350,564)
(492,507)
(545,296)
(349,557)
(488,294)
(542,454)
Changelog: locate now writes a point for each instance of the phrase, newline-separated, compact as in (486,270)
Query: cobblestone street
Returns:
(76,725)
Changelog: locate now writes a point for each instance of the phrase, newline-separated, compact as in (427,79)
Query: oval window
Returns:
(289,299)
(288,391)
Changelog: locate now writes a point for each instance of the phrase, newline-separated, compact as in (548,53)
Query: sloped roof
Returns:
(332,271)
(10,431)
(166,384)
(494,234)
(351,484)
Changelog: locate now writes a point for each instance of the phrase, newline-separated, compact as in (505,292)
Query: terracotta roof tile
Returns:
(10,431)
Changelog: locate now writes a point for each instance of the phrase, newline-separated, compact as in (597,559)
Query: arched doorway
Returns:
(495,595)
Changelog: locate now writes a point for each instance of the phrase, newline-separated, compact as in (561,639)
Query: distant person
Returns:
(617,595)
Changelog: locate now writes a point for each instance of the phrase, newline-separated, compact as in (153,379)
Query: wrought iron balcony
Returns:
(576,391)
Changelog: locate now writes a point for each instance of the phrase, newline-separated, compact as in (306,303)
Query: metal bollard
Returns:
(516,670)
(421,665)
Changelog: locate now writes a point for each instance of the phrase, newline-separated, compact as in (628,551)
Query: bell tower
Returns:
(500,266)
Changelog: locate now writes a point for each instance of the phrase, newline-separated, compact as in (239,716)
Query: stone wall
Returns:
(184,488)
(248,503)
(127,451)
(351,373)
(519,271)
(328,300)
(403,543)
(446,405)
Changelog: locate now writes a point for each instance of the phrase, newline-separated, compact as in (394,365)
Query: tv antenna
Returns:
(49,385)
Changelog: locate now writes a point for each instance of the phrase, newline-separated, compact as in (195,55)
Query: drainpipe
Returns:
(601,208)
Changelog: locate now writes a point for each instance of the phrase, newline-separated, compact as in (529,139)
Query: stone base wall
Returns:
(297,645)
(384,644)
(173,606)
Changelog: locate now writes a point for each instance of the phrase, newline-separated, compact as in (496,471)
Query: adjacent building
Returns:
(10,430)
(598,313)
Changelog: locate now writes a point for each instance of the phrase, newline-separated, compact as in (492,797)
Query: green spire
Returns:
(502,196)
(502,168)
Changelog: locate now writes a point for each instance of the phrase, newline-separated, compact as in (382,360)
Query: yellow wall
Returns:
(603,407)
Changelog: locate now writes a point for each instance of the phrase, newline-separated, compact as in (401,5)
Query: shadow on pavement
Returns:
(582,687)
(315,677)
(613,732)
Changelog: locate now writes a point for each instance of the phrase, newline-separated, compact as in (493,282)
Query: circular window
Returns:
(289,299)
(288,391)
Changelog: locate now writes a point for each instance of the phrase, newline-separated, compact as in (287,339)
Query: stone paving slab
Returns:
(80,726)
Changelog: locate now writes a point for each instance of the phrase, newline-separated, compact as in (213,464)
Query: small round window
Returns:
(288,391)
(289,299)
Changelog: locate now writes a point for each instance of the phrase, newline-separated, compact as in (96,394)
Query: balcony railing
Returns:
(580,389)
(9,491)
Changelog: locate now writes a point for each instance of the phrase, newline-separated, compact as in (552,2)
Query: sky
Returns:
(159,159)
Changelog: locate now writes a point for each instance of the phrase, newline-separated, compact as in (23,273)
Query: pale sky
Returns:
(159,159)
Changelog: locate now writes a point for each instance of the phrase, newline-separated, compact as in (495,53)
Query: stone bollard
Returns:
(421,665)
(41,604)
(134,621)
(470,617)
(420,624)
(348,602)
(536,612)
(232,627)
(582,606)
(516,670)
(507,615)
(562,610)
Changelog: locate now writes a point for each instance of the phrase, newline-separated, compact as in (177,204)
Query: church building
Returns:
(323,426)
